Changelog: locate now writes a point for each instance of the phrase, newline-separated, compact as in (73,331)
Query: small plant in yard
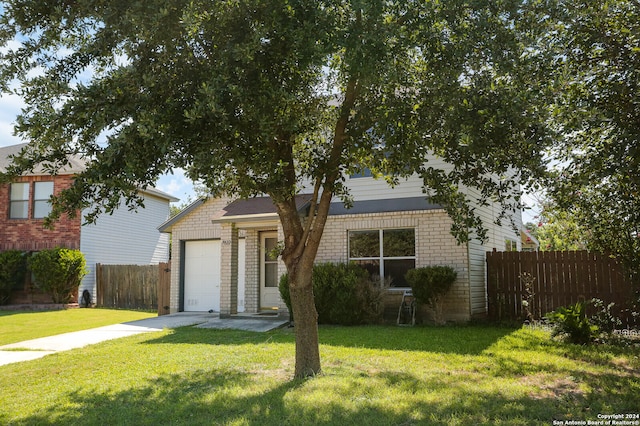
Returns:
(527,281)
(429,284)
(58,271)
(13,266)
(572,323)
(604,319)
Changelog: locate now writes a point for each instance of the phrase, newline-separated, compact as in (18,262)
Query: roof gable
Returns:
(76,164)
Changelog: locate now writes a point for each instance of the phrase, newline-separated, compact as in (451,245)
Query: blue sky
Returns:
(176,184)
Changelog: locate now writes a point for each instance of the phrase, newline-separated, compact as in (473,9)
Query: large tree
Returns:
(556,229)
(595,46)
(262,97)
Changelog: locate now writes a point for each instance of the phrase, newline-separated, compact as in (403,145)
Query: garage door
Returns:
(202,276)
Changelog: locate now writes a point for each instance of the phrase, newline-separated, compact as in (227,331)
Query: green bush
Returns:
(58,271)
(343,294)
(572,323)
(429,284)
(13,267)
(604,318)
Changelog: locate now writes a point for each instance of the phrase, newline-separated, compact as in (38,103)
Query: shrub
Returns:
(58,271)
(572,323)
(604,318)
(429,284)
(13,266)
(343,294)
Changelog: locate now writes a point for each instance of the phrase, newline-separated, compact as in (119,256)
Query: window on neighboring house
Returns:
(19,201)
(510,245)
(387,253)
(366,172)
(42,192)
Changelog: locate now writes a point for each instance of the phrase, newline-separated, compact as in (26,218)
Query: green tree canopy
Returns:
(557,230)
(595,46)
(263,97)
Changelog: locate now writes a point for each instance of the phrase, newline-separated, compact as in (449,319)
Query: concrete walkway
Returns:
(37,348)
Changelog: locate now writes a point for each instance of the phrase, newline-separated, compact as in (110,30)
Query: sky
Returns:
(176,184)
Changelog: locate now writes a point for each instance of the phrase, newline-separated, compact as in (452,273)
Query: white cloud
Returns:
(177,184)
(10,106)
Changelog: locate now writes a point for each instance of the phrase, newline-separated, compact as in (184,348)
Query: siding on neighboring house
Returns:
(30,234)
(125,237)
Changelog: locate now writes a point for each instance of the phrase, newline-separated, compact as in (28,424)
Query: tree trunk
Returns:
(306,323)
(299,255)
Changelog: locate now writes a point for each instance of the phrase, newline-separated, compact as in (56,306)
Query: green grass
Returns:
(372,375)
(17,326)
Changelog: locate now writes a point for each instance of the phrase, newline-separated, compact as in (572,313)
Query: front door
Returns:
(269,293)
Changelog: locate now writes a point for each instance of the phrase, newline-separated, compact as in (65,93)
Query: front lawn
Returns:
(372,375)
(17,326)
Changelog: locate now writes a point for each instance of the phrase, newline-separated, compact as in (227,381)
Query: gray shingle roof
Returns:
(76,163)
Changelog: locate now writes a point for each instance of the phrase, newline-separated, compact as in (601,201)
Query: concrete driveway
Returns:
(37,348)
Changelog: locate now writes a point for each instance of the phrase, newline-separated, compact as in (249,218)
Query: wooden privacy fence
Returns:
(558,279)
(133,286)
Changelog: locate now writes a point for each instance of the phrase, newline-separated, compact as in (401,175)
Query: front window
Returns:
(270,262)
(42,193)
(387,253)
(19,201)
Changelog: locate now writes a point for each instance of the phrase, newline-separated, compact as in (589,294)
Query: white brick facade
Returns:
(196,225)
(434,245)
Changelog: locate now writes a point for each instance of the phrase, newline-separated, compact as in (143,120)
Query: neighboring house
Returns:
(125,237)
(220,248)
(529,242)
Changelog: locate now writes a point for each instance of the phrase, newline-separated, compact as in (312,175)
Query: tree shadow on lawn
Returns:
(461,340)
(236,397)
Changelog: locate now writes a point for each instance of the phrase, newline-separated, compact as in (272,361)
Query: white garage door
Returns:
(202,276)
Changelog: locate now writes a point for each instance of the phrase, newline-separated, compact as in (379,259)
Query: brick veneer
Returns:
(434,246)
(30,234)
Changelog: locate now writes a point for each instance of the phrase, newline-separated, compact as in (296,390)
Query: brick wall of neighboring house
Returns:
(30,234)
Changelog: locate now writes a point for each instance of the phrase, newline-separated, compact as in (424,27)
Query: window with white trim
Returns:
(42,192)
(510,245)
(387,253)
(19,201)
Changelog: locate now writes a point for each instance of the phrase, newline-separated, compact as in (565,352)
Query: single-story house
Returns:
(125,237)
(220,248)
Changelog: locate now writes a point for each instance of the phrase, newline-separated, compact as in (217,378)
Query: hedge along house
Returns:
(220,248)
(125,237)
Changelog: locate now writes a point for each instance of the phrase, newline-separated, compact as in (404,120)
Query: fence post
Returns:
(164,288)
(99,285)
